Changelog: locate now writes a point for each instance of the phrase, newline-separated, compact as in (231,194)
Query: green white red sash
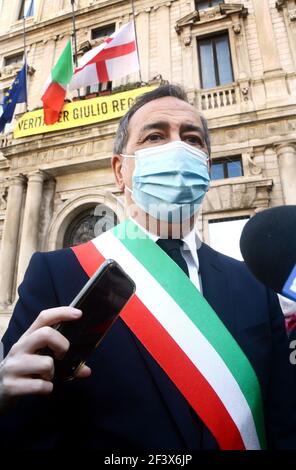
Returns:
(185,336)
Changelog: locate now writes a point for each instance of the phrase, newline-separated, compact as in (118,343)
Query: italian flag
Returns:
(56,86)
(185,336)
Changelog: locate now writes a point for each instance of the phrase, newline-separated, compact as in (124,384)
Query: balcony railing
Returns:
(217,98)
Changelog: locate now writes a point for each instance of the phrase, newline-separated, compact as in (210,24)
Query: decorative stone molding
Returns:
(280,4)
(187,40)
(85,46)
(10,70)
(187,20)
(237,28)
(3,199)
(292,14)
(254,169)
(67,211)
(210,14)
(245,93)
(51,38)
(230,8)
(229,195)
(31,70)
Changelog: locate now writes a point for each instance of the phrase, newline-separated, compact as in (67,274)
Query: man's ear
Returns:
(117,170)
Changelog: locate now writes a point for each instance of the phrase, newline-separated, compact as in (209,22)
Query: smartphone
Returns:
(101,301)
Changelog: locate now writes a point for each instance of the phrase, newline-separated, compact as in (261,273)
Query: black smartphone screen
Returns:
(101,301)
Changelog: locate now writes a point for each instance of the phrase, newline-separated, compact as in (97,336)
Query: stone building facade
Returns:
(237,62)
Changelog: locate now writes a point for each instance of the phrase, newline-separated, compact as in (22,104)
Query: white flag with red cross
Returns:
(116,57)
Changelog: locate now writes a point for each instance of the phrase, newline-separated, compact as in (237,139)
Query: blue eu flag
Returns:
(17,93)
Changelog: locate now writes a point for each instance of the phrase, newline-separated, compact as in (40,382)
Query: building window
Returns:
(26,9)
(215,61)
(204,4)
(224,235)
(87,225)
(13,59)
(102,32)
(226,168)
(96,34)
(100,88)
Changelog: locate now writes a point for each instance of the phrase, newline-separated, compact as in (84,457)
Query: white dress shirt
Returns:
(191,243)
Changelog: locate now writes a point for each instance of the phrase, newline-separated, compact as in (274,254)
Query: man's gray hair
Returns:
(162,91)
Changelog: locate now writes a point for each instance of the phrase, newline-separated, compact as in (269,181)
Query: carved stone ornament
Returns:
(245,93)
(210,14)
(253,167)
(292,14)
(229,8)
(3,199)
(279,4)
(85,226)
(237,28)
(187,20)
(187,40)
(237,196)
(85,46)
(31,70)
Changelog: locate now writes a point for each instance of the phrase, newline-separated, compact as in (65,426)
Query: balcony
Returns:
(217,99)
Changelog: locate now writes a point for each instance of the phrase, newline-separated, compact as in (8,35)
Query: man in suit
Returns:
(123,398)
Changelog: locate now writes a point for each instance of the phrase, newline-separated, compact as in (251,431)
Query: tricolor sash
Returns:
(185,336)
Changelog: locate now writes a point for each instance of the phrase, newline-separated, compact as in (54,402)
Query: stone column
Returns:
(274,77)
(10,239)
(163,41)
(289,17)
(142,24)
(269,52)
(287,164)
(30,230)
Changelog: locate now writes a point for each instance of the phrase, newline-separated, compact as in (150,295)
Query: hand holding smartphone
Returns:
(101,301)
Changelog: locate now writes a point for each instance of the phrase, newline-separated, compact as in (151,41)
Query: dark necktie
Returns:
(172,247)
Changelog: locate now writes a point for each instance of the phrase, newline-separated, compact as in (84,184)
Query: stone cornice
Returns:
(219,12)
(67,16)
(17,28)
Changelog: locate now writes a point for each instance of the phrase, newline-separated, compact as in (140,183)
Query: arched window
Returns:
(88,224)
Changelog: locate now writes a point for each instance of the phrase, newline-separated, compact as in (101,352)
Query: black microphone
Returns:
(268,246)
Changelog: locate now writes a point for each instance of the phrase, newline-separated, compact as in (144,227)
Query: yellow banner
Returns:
(80,113)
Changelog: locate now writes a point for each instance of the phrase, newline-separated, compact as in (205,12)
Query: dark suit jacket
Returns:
(129,402)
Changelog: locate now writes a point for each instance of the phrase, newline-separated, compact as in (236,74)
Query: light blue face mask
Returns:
(170,181)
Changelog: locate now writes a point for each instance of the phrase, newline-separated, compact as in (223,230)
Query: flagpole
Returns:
(25,57)
(136,37)
(74,39)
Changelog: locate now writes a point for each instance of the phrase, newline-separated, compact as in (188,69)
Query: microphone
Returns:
(268,246)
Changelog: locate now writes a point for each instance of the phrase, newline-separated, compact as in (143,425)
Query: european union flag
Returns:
(17,93)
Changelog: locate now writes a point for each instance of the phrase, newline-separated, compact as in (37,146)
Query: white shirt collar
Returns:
(191,241)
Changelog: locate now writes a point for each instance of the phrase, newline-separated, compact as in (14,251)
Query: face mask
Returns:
(170,181)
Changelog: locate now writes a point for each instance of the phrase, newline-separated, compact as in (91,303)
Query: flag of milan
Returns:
(116,57)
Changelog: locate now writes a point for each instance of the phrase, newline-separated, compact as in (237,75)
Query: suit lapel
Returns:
(216,285)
